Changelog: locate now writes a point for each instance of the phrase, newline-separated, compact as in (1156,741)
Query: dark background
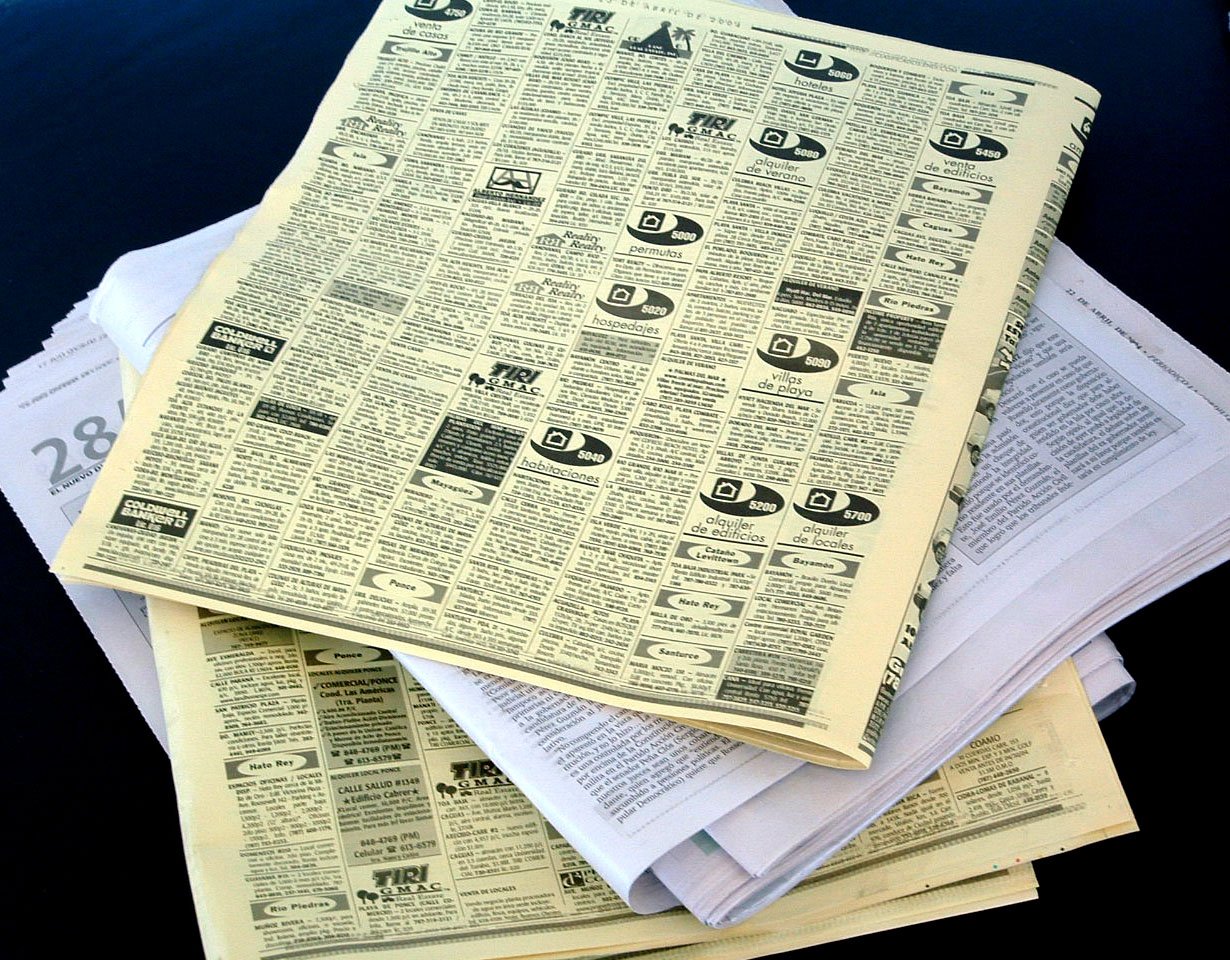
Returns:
(123,125)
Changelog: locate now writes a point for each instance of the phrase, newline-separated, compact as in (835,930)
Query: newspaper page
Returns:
(328,802)
(617,853)
(1087,429)
(1000,889)
(628,352)
(1023,772)
(537,736)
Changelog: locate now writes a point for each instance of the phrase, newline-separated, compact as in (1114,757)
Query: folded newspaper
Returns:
(632,352)
(343,809)
(1101,330)
(1160,432)
(489,885)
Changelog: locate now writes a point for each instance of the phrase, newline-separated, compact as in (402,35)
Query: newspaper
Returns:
(1089,572)
(623,862)
(77,370)
(1015,885)
(626,351)
(1106,680)
(330,806)
(143,287)
(1071,566)
(59,412)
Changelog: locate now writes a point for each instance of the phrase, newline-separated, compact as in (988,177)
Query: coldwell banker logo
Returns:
(665,229)
(817,65)
(742,498)
(964,145)
(511,185)
(440,9)
(153,516)
(783,145)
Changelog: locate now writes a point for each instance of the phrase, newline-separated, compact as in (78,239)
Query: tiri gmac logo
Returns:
(392,883)
(508,376)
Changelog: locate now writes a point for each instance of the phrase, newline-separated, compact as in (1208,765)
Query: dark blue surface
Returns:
(125,124)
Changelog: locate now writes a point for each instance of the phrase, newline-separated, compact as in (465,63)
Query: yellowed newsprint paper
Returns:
(627,350)
(331,808)
(1000,889)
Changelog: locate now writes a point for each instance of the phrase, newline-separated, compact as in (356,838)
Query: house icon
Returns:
(953,138)
(726,489)
(773,137)
(557,438)
(808,58)
(651,220)
(821,499)
(424,4)
(783,345)
(620,293)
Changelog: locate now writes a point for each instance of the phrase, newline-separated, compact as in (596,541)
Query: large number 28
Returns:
(96,441)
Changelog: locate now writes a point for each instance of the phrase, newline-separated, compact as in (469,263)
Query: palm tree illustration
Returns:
(684,36)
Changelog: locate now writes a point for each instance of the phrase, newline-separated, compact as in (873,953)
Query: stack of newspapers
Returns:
(532,507)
